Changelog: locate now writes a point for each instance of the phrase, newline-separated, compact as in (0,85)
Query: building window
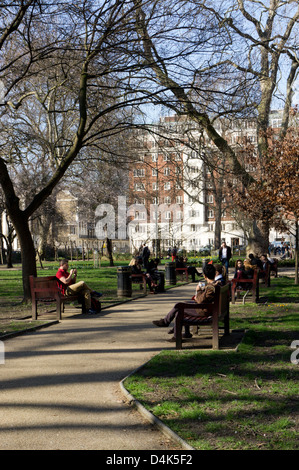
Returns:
(179,199)
(167,200)
(166,171)
(194,213)
(139,172)
(139,215)
(167,185)
(154,172)
(155,200)
(210,214)
(139,187)
(155,186)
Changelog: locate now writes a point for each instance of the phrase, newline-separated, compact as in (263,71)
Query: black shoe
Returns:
(186,335)
(160,323)
(96,294)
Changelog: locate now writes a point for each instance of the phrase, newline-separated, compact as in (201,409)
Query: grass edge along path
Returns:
(246,399)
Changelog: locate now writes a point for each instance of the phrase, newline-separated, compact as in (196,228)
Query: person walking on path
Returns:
(145,255)
(225,254)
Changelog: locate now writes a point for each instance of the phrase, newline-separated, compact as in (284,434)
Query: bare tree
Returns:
(242,48)
(78,80)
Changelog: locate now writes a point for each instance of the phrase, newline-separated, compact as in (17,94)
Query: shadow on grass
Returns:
(226,400)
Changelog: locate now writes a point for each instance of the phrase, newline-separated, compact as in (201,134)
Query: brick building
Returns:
(175,198)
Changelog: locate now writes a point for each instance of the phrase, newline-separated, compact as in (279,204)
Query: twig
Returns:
(256,384)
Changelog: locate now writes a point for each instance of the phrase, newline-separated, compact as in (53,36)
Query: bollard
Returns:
(170,274)
(124,281)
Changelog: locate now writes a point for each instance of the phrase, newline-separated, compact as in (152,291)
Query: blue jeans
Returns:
(225,263)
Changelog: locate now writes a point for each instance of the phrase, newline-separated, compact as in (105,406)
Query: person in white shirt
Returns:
(225,255)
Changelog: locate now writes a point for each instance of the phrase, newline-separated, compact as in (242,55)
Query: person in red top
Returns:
(69,285)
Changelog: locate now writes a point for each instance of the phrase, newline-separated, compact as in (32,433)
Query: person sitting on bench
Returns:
(69,286)
(204,294)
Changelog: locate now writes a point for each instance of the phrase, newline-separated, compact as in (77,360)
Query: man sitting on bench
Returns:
(69,286)
(204,294)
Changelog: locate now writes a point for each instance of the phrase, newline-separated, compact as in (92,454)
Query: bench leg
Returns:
(215,330)
(178,330)
(233,294)
(34,309)
(58,309)
(178,339)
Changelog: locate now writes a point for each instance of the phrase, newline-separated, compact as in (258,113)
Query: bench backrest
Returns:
(222,297)
(43,287)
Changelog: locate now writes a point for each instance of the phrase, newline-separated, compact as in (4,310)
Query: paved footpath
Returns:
(59,386)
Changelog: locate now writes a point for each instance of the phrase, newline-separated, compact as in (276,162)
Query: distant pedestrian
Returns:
(174,252)
(225,254)
(145,255)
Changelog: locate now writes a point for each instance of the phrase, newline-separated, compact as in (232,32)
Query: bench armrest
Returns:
(183,305)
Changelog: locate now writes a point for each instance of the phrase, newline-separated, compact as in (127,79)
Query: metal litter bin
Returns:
(124,281)
(170,274)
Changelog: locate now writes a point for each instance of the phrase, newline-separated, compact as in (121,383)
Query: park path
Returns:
(59,386)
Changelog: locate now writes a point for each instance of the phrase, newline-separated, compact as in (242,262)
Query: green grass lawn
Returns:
(218,400)
(101,279)
(223,400)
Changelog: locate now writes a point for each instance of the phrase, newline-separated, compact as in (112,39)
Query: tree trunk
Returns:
(109,251)
(217,233)
(258,242)
(21,226)
(8,255)
(296,251)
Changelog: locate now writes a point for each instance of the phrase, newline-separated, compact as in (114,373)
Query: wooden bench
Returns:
(182,271)
(140,279)
(45,289)
(251,285)
(265,275)
(218,310)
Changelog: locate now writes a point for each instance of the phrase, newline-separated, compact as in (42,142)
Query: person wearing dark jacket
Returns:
(255,261)
(225,254)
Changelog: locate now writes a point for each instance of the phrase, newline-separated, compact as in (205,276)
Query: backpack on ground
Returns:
(96,304)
